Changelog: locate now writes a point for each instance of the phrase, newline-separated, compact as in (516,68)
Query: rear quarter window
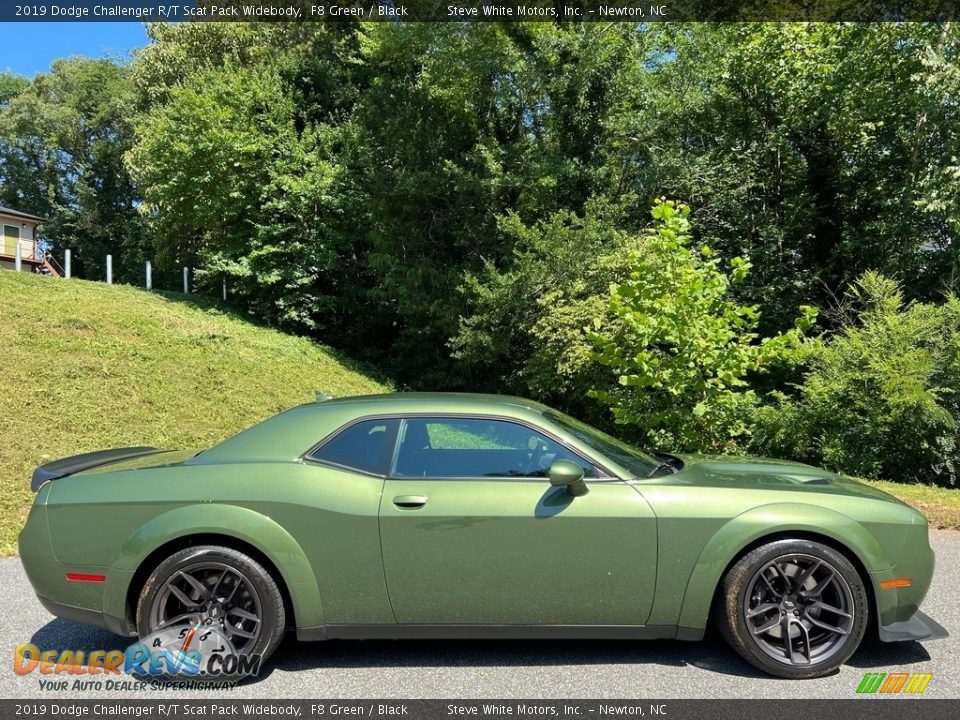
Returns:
(365,446)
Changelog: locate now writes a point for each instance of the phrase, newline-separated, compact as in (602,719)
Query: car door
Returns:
(473,532)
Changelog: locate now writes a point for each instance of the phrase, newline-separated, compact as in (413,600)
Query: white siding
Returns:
(27,246)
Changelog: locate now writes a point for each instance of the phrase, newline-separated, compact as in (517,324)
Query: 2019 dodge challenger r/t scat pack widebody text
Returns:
(417,515)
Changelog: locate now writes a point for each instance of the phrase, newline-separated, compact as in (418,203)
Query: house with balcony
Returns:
(18,230)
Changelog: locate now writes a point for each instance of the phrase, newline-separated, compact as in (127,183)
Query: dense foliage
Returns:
(454,201)
(526,332)
(878,398)
(680,347)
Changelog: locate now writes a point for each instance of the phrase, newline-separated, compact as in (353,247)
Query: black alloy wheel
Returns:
(793,608)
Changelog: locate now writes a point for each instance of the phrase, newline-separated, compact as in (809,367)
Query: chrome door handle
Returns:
(411,502)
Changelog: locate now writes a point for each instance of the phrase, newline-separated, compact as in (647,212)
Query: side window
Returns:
(366,446)
(475,447)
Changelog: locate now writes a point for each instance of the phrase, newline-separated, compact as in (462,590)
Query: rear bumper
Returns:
(81,602)
(919,627)
(85,616)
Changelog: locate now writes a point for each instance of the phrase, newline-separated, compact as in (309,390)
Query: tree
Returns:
(680,347)
(62,140)
(233,187)
(880,397)
(11,85)
(834,137)
(524,333)
(350,179)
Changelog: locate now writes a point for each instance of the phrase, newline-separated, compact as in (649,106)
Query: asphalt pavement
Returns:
(506,669)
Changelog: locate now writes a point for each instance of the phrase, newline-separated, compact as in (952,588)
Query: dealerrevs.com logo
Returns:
(889,683)
(192,654)
(189,651)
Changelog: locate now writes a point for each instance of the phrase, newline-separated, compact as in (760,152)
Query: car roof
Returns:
(286,436)
(460,401)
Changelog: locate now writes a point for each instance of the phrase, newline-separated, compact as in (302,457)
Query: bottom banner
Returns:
(861,707)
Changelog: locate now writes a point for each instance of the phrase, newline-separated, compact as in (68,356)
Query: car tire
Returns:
(237,588)
(793,608)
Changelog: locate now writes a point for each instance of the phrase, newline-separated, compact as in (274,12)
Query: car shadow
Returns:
(292,655)
(349,654)
(61,635)
(875,654)
(712,654)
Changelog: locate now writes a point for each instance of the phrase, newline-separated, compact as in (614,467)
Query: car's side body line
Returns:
(486,632)
(233,521)
(767,521)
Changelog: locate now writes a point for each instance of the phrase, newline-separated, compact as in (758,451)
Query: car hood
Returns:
(752,473)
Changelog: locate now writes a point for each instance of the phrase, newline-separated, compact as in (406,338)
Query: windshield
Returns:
(636,461)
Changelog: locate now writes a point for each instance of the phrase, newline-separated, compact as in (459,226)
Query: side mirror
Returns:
(564,473)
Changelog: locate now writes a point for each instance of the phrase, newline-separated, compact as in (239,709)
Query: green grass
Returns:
(88,366)
(940,505)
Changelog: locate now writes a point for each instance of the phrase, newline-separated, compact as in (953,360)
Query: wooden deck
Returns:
(31,258)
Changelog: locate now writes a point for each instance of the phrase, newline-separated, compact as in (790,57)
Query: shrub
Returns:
(878,398)
(680,347)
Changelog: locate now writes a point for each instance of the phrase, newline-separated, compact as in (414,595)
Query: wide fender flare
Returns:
(233,521)
(763,521)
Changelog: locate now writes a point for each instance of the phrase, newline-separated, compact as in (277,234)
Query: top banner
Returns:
(572,11)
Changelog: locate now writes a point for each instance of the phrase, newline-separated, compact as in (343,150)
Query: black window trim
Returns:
(607,474)
(329,437)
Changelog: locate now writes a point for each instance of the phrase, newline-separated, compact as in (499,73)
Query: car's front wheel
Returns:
(793,608)
(208,601)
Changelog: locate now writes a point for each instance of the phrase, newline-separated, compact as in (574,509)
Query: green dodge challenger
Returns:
(417,515)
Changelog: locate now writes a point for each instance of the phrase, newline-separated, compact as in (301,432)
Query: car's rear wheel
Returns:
(793,608)
(210,600)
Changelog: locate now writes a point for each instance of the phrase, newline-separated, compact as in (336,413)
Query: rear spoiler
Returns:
(68,466)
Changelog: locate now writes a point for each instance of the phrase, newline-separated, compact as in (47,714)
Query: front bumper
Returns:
(919,627)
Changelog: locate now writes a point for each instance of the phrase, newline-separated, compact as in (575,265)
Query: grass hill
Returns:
(88,366)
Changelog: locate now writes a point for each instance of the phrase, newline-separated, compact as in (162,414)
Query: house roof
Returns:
(17,213)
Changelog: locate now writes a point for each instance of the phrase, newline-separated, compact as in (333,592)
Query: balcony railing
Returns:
(28,249)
